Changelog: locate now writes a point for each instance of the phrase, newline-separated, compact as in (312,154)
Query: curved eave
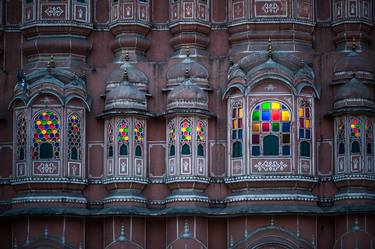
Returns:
(360,110)
(125,112)
(22,98)
(191,111)
(304,84)
(232,87)
(273,76)
(87,101)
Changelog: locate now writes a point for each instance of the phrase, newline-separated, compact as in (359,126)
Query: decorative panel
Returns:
(74,169)
(271,165)
(305,9)
(50,168)
(123,166)
(50,10)
(270,8)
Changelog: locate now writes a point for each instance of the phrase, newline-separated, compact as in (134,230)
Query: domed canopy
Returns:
(353,62)
(187,95)
(135,76)
(198,73)
(125,96)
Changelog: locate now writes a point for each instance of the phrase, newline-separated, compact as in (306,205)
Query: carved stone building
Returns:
(187,124)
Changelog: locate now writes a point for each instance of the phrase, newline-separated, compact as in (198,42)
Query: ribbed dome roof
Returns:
(354,89)
(353,62)
(187,95)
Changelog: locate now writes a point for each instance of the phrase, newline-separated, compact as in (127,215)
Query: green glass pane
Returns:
(256,115)
(276,127)
(266,105)
(188,129)
(126,129)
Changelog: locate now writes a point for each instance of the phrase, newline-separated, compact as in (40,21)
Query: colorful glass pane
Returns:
(185,129)
(74,136)
(276,115)
(265,127)
(46,130)
(285,116)
(276,106)
(266,105)
(138,131)
(123,131)
(265,116)
(256,116)
(236,127)
(201,131)
(256,128)
(355,128)
(171,132)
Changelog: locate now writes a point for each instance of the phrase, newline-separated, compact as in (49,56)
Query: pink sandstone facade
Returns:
(187,124)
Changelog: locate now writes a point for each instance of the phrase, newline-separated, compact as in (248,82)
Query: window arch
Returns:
(201,138)
(74,137)
(138,137)
(123,136)
(369,138)
(341,137)
(46,131)
(237,129)
(270,124)
(172,138)
(110,139)
(355,135)
(185,136)
(304,128)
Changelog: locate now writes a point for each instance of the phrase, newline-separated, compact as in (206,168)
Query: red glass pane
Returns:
(301,123)
(255,139)
(276,115)
(240,123)
(265,127)
(234,113)
(307,113)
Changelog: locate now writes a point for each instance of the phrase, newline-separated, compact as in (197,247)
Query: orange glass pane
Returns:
(285,116)
(307,123)
(301,112)
(240,112)
(234,124)
(256,127)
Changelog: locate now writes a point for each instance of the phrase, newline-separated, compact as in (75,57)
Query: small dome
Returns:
(354,89)
(135,76)
(198,73)
(125,96)
(187,95)
(353,62)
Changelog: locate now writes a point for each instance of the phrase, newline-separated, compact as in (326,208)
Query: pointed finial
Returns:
(187,73)
(272,222)
(354,45)
(51,62)
(188,51)
(15,243)
(122,236)
(269,47)
(245,234)
(125,76)
(186,229)
(356,226)
(231,244)
(126,55)
(45,232)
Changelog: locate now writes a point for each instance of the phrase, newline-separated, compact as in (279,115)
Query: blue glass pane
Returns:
(266,115)
(308,134)
(255,151)
(36,127)
(286,127)
(257,108)
(234,135)
(239,134)
(286,150)
(301,133)
(283,107)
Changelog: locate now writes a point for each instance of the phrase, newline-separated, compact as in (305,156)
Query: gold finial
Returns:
(354,44)
(125,77)
(126,55)
(188,51)
(51,62)
(187,73)
(269,47)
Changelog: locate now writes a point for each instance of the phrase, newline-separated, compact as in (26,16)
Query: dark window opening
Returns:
(110,151)
(123,150)
(237,149)
(270,145)
(356,148)
(22,154)
(172,150)
(74,153)
(305,149)
(200,150)
(138,151)
(185,150)
(341,149)
(369,149)
(46,151)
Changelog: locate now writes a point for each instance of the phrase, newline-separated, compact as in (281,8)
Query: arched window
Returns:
(237,129)
(369,138)
(185,136)
(74,137)
(172,150)
(270,124)
(110,151)
(46,131)
(139,129)
(110,139)
(21,136)
(355,135)
(172,138)
(304,128)
(201,138)
(341,149)
(341,137)
(123,136)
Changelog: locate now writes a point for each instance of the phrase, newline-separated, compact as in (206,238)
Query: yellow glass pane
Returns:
(256,127)
(126,138)
(183,129)
(44,132)
(275,106)
(38,122)
(240,112)
(285,116)
(301,112)
(121,130)
(188,138)
(234,124)
(352,126)
(358,134)
(198,129)
(307,123)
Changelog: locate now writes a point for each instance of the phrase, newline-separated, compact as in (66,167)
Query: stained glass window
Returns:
(21,137)
(185,136)
(341,137)
(304,128)
(172,138)
(139,137)
(369,137)
(270,118)
(201,137)
(110,140)
(74,137)
(355,135)
(237,129)
(123,136)
(46,131)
